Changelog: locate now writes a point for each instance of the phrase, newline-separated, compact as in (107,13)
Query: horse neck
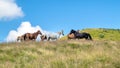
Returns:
(36,34)
(59,34)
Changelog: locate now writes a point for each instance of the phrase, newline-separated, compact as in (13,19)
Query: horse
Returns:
(43,37)
(71,36)
(78,35)
(21,38)
(52,36)
(31,36)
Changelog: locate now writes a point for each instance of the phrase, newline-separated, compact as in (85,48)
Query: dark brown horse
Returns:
(32,36)
(78,35)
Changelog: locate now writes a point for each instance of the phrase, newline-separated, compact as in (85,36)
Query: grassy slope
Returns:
(103,52)
(61,54)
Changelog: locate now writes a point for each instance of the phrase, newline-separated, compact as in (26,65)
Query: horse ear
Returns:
(71,29)
(62,31)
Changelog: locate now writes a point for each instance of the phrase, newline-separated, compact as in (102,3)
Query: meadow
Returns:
(99,53)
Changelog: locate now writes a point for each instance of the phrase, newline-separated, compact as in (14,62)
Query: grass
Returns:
(60,54)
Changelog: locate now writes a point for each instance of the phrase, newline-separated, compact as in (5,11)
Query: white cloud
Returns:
(26,27)
(22,29)
(9,9)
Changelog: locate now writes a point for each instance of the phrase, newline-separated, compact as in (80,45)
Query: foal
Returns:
(21,38)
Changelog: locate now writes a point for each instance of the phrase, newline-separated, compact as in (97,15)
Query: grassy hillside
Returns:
(102,34)
(102,52)
(60,54)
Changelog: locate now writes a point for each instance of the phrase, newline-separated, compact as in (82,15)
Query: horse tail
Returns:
(89,36)
(24,37)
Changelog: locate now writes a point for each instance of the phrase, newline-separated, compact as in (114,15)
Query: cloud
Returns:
(10,10)
(22,29)
(26,27)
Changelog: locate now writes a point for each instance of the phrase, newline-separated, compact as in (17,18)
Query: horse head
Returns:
(39,32)
(72,31)
(61,32)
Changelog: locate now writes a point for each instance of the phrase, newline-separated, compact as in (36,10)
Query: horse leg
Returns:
(22,38)
(27,38)
(49,38)
(34,39)
(86,38)
(42,39)
(68,38)
(90,38)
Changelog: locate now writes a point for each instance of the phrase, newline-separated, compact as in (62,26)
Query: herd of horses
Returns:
(72,35)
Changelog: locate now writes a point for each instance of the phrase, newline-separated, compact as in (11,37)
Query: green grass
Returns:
(104,34)
(61,54)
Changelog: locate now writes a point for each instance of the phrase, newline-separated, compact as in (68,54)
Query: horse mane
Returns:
(38,32)
(60,32)
(72,31)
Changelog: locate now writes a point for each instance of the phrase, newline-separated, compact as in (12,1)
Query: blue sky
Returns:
(54,15)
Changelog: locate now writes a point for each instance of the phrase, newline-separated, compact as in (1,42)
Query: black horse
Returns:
(78,35)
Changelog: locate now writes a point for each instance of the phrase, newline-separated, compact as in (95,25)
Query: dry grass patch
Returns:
(61,54)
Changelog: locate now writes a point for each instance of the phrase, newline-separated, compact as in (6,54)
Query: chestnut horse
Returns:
(32,36)
(71,36)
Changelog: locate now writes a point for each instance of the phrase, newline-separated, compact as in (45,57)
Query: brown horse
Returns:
(71,36)
(32,36)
